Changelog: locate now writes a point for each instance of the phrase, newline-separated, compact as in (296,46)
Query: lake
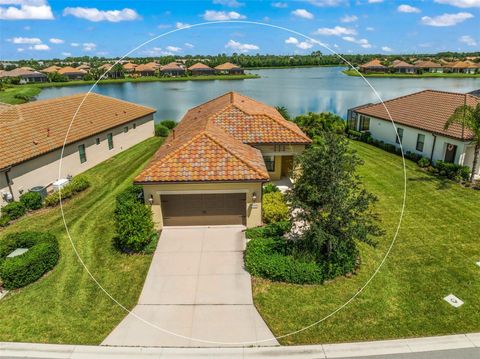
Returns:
(300,90)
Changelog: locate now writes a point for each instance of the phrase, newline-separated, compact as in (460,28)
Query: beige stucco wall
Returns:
(44,170)
(272,150)
(254,210)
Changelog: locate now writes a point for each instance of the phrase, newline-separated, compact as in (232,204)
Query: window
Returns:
(279,148)
(399,138)
(269,163)
(134,126)
(125,129)
(97,140)
(110,141)
(420,142)
(364,123)
(82,153)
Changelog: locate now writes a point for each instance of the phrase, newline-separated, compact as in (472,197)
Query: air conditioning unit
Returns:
(59,184)
(7,196)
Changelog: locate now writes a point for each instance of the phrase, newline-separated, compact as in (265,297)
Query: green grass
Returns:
(66,306)
(414,76)
(434,255)
(8,95)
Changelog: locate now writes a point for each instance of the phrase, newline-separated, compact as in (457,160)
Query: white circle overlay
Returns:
(248,343)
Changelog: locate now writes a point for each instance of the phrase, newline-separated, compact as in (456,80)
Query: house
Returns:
(373,66)
(129,67)
(32,136)
(211,168)
(145,70)
(172,69)
(72,73)
(85,67)
(51,69)
(201,69)
(229,68)
(465,67)
(403,67)
(428,66)
(420,119)
(25,76)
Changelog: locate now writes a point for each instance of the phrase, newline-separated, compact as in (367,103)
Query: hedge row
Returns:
(42,255)
(76,185)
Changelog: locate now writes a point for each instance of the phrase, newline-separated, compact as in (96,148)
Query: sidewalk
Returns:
(381,349)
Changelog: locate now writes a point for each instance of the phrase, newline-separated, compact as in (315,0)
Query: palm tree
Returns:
(284,112)
(468,117)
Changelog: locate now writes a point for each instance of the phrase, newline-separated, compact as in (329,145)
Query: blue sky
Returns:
(49,28)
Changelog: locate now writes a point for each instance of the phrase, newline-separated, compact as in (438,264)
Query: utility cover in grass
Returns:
(453,301)
(478,263)
(17,252)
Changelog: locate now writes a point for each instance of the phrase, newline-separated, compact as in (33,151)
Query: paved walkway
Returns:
(465,346)
(196,287)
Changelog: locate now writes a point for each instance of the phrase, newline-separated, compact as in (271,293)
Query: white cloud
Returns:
(189,45)
(25,40)
(291,40)
(460,3)
(362,42)
(446,19)
(408,9)
(349,18)
(89,46)
(173,48)
(212,15)
(229,3)
(39,47)
(20,49)
(370,28)
(95,15)
(75,44)
(56,41)
(374,1)
(66,54)
(25,10)
(304,45)
(237,46)
(327,3)
(335,31)
(279,5)
(163,26)
(181,25)
(304,14)
(27,28)
(467,39)
(387,49)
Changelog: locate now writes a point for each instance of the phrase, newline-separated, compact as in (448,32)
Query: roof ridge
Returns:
(213,99)
(168,155)
(233,153)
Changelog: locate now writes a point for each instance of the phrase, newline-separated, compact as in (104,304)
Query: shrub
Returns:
(133,221)
(423,162)
(274,207)
(354,134)
(269,188)
(170,124)
(32,200)
(452,171)
(161,130)
(76,185)
(277,229)
(43,254)
(4,221)
(14,210)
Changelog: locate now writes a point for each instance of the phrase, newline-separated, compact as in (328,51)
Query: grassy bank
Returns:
(66,306)
(413,76)
(434,255)
(9,94)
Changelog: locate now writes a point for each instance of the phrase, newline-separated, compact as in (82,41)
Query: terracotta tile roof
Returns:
(199,66)
(144,67)
(211,142)
(153,64)
(129,66)
(51,69)
(83,67)
(34,128)
(400,63)
(172,66)
(426,64)
(20,72)
(70,70)
(105,67)
(227,66)
(465,65)
(427,110)
(373,63)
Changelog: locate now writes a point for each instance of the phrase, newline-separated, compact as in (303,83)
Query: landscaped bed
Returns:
(434,255)
(66,306)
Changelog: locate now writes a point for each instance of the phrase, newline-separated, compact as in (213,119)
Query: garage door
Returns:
(203,209)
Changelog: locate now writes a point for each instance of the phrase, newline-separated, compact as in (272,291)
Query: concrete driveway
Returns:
(196,287)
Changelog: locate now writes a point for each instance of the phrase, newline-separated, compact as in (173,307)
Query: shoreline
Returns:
(430,75)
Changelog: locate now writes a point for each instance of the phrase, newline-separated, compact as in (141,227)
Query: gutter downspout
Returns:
(433,146)
(7,178)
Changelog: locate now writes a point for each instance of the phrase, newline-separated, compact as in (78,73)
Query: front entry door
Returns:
(450,153)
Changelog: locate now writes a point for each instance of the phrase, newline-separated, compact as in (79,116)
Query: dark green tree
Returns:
(284,112)
(315,124)
(332,208)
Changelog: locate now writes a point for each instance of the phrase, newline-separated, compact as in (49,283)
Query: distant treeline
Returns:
(316,58)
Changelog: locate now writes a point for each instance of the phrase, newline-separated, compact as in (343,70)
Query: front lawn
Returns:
(67,306)
(434,255)
(18,94)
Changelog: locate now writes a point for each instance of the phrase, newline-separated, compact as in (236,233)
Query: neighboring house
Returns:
(129,67)
(428,66)
(172,69)
(229,68)
(211,168)
(145,70)
(51,69)
(373,66)
(32,136)
(201,69)
(466,67)
(403,67)
(72,73)
(85,67)
(25,76)
(420,119)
